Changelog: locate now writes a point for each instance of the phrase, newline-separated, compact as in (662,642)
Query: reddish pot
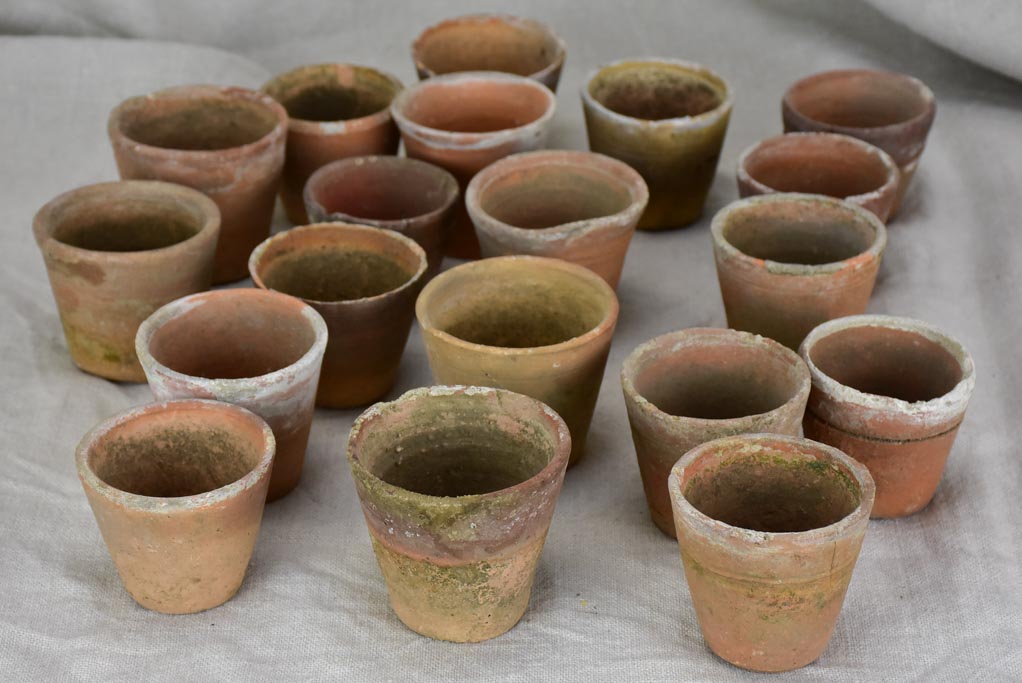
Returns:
(227,142)
(577,206)
(788,262)
(688,387)
(257,349)
(334,111)
(769,528)
(463,122)
(178,491)
(891,392)
(363,281)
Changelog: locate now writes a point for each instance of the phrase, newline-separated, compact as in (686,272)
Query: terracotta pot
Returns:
(458,485)
(114,253)
(890,110)
(463,122)
(364,282)
(769,528)
(577,206)
(688,387)
(260,350)
(334,111)
(227,142)
(490,42)
(396,193)
(890,392)
(541,327)
(788,262)
(821,163)
(178,491)
(666,119)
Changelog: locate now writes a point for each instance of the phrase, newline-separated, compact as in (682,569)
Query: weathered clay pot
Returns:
(178,491)
(688,387)
(769,528)
(257,349)
(114,253)
(396,193)
(538,326)
(227,142)
(465,121)
(364,282)
(890,392)
(458,485)
(490,42)
(334,111)
(788,262)
(821,163)
(577,206)
(890,110)
(666,119)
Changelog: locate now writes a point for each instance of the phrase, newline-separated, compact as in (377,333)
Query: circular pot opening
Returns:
(125,223)
(487,44)
(332,92)
(656,90)
(859,99)
(817,164)
(384,189)
(197,123)
(477,105)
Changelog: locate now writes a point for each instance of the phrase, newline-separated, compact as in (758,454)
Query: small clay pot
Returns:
(890,392)
(114,253)
(577,206)
(458,485)
(666,119)
(257,349)
(227,142)
(178,491)
(688,387)
(889,110)
(465,121)
(821,163)
(788,262)
(490,42)
(538,326)
(334,111)
(364,282)
(769,528)
(396,193)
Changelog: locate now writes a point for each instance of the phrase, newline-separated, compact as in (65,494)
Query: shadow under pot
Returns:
(257,349)
(769,528)
(226,142)
(788,262)
(334,111)
(577,206)
(666,119)
(458,486)
(536,326)
(688,387)
(363,282)
(114,253)
(178,491)
(890,392)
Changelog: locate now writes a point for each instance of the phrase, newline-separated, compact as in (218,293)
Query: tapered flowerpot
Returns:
(178,490)
(405,195)
(770,529)
(465,121)
(227,142)
(537,326)
(688,387)
(666,119)
(821,163)
(890,392)
(334,111)
(490,42)
(577,206)
(458,485)
(788,262)
(364,282)
(114,253)
(257,349)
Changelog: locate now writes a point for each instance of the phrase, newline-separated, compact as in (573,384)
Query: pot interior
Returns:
(487,44)
(383,189)
(858,99)
(477,104)
(330,92)
(817,164)
(197,122)
(125,221)
(656,90)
